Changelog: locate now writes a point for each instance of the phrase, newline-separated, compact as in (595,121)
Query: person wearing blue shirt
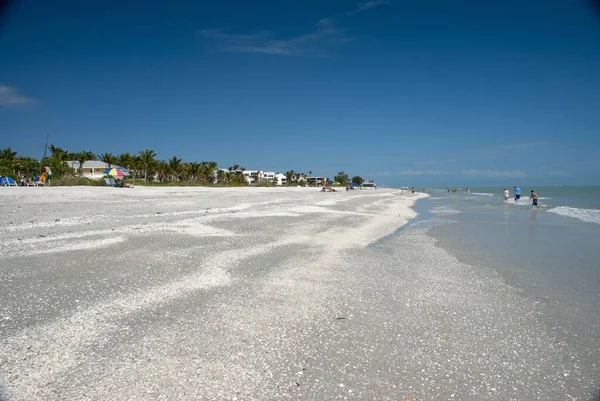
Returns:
(517,193)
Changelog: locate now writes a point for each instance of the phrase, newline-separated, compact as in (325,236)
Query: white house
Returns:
(250,175)
(92,169)
(280,179)
(268,176)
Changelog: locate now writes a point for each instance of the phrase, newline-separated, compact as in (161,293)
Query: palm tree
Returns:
(211,168)
(175,166)
(108,158)
(58,152)
(82,157)
(126,160)
(147,158)
(57,160)
(164,170)
(222,176)
(7,154)
(291,176)
(194,170)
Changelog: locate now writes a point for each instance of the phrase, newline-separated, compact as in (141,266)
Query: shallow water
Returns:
(550,255)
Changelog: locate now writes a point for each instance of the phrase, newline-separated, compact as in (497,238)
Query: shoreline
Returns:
(256,296)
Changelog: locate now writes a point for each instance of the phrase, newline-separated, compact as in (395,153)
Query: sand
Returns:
(254,294)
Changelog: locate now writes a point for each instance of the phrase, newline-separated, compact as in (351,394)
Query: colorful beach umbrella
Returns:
(115,172)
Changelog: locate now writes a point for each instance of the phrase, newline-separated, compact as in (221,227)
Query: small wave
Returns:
(482,194)
(587,215)
(444,211)
(430,223)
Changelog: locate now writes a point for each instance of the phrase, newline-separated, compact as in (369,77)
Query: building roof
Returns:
(92,164)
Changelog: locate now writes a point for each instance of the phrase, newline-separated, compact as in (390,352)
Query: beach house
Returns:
(317,180)
(250,175)
(92,169)
(268,176)
(280,179)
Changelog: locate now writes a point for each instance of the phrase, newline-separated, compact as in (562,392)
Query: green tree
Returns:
(163,170)
(358,179)
(58,152)
(175,167)
(125,160)
(26,166)
(194,170)
(147,159)
(57,161)
(208,171)
(342,178)
(291,176)
(82,157)
(7,154)
(222,176)
(108,158)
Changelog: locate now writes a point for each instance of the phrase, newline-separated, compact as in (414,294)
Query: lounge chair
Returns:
(108,182)
(38,182)
(10,182)
(3,182)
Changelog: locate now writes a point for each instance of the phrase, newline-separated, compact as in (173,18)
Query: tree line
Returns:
(142,166)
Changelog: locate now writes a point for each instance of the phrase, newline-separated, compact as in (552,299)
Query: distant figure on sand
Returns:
(413,190)
(48,174)
(506,196)
(517,193)
(534,197)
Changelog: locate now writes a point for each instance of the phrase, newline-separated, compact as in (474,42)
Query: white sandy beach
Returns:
(251,294)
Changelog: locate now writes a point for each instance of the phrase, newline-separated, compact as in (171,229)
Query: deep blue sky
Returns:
(408,92)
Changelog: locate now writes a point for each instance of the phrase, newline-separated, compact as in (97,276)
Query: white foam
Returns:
(587,215)
(482,194)
(444,211)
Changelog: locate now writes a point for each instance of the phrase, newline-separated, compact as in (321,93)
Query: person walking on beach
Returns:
(517,193)
(413,191)
(48,174)
(534,197)
(506,196)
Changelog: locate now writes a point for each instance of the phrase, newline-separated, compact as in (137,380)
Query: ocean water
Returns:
(551,255)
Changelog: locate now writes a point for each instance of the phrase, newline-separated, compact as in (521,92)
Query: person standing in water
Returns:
(517,193)
(506,196)
(534,197)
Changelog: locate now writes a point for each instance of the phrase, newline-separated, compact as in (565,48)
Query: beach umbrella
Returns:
(115,172)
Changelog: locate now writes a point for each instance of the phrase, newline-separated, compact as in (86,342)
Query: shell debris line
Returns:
(257,294)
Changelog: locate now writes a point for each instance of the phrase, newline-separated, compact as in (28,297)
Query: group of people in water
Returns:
(533,197)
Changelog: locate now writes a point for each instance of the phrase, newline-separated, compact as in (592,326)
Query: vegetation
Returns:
(342,178)
(358,179)
(143,167)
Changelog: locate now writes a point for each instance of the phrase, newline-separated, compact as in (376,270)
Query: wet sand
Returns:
(255,294)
